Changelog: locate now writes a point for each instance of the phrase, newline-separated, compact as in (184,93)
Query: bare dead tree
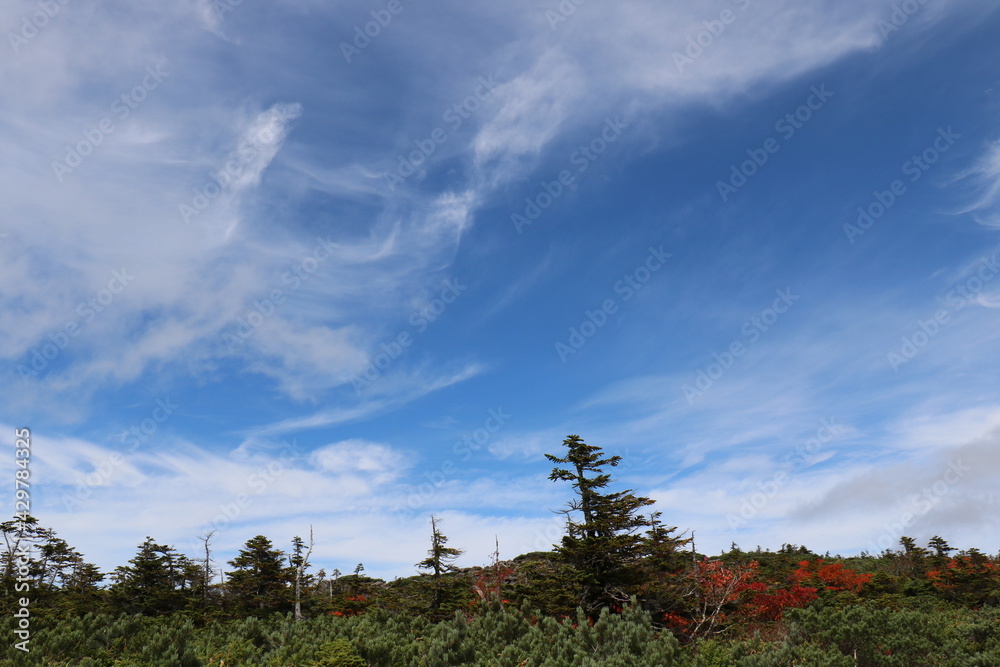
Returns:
(489,582)
(300,566)
(207,539)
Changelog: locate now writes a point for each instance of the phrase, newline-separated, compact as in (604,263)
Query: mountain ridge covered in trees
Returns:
(620,587)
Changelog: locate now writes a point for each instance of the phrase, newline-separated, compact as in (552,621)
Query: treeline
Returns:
(619,583)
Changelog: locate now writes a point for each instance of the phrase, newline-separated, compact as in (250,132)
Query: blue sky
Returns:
(262,270)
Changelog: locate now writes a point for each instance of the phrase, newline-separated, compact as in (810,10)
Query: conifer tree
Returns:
(158,580)
(911,560)
(664,558)
(260,580)
(59,574)
(941,550)
(604,547)
(438,561)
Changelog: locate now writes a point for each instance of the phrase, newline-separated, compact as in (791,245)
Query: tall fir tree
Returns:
(158,580)
(603,548)
(260,581)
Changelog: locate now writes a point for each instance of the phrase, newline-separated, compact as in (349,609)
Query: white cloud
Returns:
(986,177)
(239,173)
(120,206)
(528,446)
(374,461)
(532,109)
(388,392)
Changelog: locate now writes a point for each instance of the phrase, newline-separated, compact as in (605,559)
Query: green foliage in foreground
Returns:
(862,635)
(495,636)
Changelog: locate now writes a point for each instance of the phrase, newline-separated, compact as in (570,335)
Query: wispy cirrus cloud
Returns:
(985,175)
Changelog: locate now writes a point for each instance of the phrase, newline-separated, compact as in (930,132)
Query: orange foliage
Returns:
(720,584)
(833,577)
(675,621)
(769,606)
(719,588)
(489,581)
(352,609)
(713,588)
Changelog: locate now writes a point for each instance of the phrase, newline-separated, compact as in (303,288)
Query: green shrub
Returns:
(339,653)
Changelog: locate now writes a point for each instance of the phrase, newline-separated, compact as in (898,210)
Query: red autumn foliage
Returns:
(712,589)
(675,621)
(355,604)
(718,591)
(719,583)
(489,581)
(833,577)
(769,605)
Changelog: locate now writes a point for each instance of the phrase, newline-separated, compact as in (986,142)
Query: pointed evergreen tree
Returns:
(603,548)
(911,561)
(941,550)
(158,580)
(260,581)
(439,558)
